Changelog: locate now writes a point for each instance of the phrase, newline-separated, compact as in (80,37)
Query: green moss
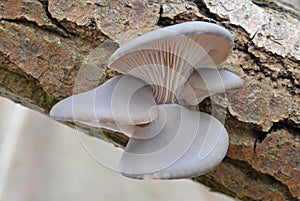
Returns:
(118,139)
(25,90)
(242,129)
(215,186)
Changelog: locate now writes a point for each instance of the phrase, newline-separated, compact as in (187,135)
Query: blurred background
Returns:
(43,160)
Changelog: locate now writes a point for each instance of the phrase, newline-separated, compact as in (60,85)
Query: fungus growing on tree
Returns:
(164,71)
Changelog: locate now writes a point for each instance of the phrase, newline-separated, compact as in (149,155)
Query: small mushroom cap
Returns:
(180,143)
(165,58)
(119,104)
(206,82)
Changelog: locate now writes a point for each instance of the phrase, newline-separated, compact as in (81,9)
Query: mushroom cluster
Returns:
(164,72)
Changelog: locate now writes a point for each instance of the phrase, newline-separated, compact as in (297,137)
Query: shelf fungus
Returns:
(163,73)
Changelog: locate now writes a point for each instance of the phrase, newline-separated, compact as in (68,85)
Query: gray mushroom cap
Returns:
(165,58)
(207,82)
(119,104)
(167,140)
(180,143)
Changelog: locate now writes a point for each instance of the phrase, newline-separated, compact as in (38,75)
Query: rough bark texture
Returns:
(50,49)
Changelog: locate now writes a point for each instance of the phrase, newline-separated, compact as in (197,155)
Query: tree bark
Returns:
(50,49)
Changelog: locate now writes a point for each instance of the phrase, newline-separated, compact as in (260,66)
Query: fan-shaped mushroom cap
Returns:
(180,143)
(165,58)
(119,104)
(206,82)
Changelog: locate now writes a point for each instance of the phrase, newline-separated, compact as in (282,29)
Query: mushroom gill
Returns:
(165,58)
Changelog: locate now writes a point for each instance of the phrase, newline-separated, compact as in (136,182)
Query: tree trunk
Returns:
(50,49)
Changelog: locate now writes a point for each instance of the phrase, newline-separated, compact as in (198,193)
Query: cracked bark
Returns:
(50,49)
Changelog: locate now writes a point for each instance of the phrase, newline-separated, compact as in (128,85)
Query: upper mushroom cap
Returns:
(206,82)
(165,58)
(119,104)
(180,143)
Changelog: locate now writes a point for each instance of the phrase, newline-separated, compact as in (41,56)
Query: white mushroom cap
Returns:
(206,82)
(165,58)
(119,104)
(180,143)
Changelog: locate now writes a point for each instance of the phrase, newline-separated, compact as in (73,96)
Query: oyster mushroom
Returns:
(158,70)
(165,58)
(186,143)
(207,82)
(118,105)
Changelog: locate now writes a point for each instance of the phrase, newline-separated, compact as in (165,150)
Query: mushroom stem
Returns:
(192,107)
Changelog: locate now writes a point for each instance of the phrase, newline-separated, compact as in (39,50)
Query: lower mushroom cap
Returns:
(179,144)
(119,104)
